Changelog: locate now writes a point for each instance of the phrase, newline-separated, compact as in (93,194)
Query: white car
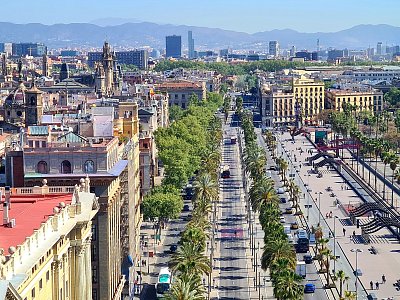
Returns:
(290,238)
(282,219)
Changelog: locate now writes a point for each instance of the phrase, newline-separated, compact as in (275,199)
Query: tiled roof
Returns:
(38,130)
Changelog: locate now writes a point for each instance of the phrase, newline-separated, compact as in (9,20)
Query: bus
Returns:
(164,282)
(226,173)
(302,241)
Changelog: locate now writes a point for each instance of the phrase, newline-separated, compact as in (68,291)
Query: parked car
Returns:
(283,200)
(294,225)
(288,210)
(185,208)
(282,219)
(309,288)
(290,238)
(307,259)
(173,248)
(273,168)
(281,190)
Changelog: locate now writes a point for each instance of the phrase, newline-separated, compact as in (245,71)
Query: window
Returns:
(94,232)
(47,275)
(94,274)
(88,167)
(19,113)
(33,294)
(42,167)
(66,167)
(33,100)
(40,284)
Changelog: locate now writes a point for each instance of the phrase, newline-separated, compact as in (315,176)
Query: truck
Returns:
(301,269)
(225,173)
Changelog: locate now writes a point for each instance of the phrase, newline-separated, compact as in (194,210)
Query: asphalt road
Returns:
(232,230)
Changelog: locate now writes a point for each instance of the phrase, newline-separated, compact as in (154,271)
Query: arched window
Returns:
(42,167)
(88,167)
(66,167)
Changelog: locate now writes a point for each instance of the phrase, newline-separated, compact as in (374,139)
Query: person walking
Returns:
(371,284)
(383,278)
(377,285)
(344,231)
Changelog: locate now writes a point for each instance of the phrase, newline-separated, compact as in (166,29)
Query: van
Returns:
(286,229)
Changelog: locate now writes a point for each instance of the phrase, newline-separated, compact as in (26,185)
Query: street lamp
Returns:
(356,250)
(319,206)
(334,243)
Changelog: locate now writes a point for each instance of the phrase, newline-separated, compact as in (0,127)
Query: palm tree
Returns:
(205,188)
(378,150)
(255,161)
(386,156)
(196,236)
(348,295)
(284,167)
(393,165)
(275,249)
(262,192)
(342,277)
(288,286)
(186,287)
(189,259)
(327,257)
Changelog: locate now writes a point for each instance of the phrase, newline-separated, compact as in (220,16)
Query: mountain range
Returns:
(138,34)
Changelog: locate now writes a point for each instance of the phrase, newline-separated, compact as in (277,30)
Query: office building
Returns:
(45,242)
(301,103)
(69,53)
(31,49)
(191,45)
(173,46)
(274,48)
(367,100)
(334,55)
(138,58)
(379,48)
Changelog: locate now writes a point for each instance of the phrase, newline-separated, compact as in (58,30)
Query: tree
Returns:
(186,287)
(175,113)
(262,192)
(342,277)
(348,295)
(205,188)
(275,249)
(160,207)
(289,287)
(393,97)
(188,259)
(394,161)
(196,236)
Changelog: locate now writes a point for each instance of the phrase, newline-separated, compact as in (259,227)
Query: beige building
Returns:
(179,92)
(309,96)
(45,242)
(368,100)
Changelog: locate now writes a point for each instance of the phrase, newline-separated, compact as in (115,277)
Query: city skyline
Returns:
(256,16)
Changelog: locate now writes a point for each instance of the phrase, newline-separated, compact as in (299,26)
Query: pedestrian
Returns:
(354,233)
(377,285)
(329,234)
(383,278)
(327,216)
(371,284)
(330,214)
(344,231)
(342,187)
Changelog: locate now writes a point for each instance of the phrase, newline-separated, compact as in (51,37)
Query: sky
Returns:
(240,15)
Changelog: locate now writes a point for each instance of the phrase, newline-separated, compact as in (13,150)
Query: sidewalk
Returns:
(372,266)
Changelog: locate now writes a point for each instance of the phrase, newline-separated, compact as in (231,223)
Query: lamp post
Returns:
(356,250)
(319,206)
(334,243)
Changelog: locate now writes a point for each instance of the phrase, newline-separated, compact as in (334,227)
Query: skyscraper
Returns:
(174,46)
(274,48)
(190,44)
(379,48)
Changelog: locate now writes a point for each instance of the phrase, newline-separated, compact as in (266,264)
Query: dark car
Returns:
(309,288)
(283,200)
(185,208)
(294,225)
(288,210)
(173,248)
(307,259)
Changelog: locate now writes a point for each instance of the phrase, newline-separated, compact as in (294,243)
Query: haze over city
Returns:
(246,16)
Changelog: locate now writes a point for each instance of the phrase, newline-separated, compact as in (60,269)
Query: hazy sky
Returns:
(240,15)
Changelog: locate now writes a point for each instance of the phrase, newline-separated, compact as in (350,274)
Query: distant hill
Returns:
(151,34)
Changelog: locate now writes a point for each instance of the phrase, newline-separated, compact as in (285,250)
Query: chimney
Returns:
(6,207)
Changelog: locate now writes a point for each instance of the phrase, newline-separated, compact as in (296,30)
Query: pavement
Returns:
(372,266)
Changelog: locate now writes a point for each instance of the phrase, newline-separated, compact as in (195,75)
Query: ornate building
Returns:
(108,74)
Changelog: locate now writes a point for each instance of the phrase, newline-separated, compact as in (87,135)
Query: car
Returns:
(185,208)
(290,238)
(283,200)
(308,259)
(288,210)
(309,288)
(173,248)
(294,225)
(273,168)
(282,219)
(280,190)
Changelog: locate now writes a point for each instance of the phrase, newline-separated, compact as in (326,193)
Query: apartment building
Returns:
(363,100)
(45,242)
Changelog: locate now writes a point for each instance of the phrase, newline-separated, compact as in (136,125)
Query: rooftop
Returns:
(29,212)
(179,85)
